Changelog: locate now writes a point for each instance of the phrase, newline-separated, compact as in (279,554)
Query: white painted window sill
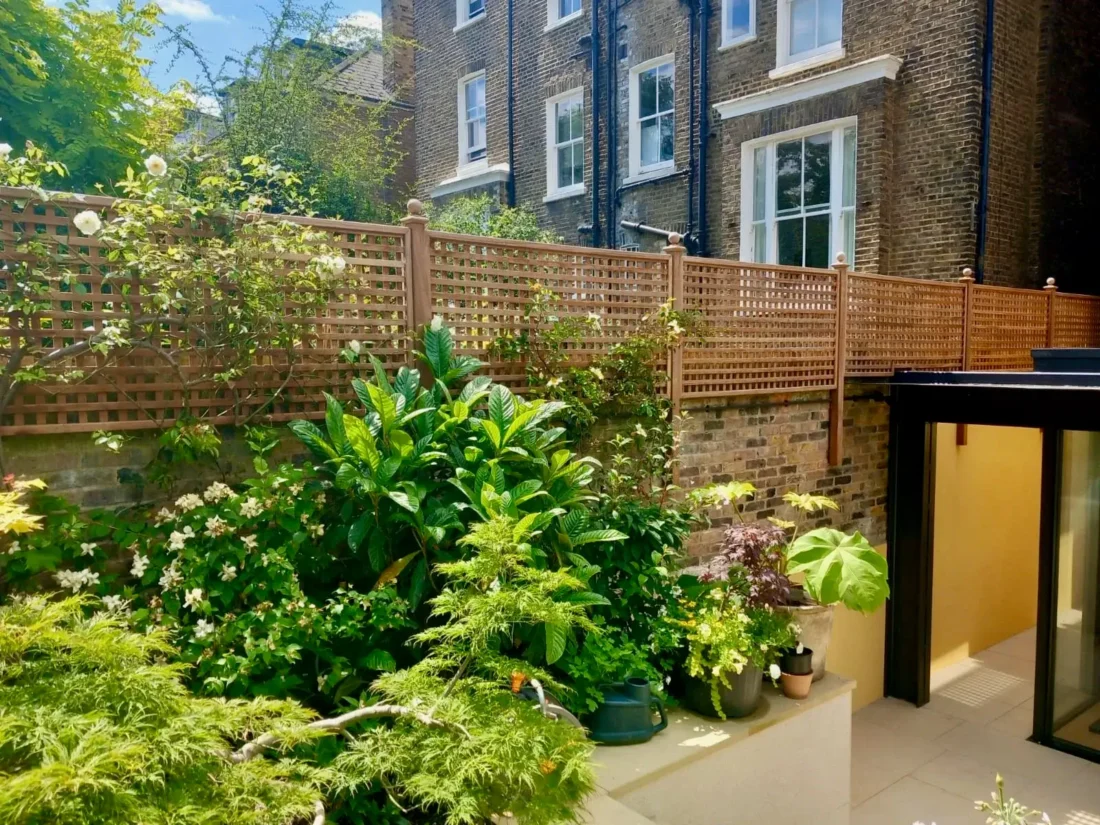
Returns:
(740,41)
(651,174)
(564,194)
(562,21)
(467,23)
(824,59)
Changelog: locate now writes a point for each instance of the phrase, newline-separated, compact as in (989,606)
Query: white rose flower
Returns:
(193,598)
(156,166)
(88,222)
(229,572)
(774,672)
(116,604)
(217,491)
(251,507)
(87,548)
(217,526)
(5,150)
(138,568)
(75,580)
(188,502)
(203,628)
(177,538)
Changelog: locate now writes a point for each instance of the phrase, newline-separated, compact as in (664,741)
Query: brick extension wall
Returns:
(780,444)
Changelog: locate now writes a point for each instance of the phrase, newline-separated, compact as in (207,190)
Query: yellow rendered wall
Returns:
(985,539)
(857,650)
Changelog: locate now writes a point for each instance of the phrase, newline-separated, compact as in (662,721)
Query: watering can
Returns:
(626,715)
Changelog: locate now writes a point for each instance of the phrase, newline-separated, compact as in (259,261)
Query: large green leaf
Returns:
(362,441)
(359,529)
(310,435)
(840,569)
(334,423)
(502,408)
(438,347)
(555,642)
(596,536)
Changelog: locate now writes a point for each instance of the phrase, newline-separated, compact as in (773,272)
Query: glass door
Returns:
(1073,699)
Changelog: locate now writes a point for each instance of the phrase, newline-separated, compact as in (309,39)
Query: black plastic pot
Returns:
(626,715)
(797,664)
(740,699)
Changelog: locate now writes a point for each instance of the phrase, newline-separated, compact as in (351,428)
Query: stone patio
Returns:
(930,764)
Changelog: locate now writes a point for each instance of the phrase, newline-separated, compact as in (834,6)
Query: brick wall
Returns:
(88,475)
(780,444)
(918,139)
(1070,164)
(1011,257)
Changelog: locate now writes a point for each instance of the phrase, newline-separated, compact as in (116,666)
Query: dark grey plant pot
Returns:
(740,699)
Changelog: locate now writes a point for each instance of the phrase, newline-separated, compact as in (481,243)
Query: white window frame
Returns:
(553,14)
(463,18)
(466,165)
(836,188)
(787,63)
(653,170)
(553,191)
(728,40)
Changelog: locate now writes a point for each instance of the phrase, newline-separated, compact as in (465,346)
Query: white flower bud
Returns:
(88,222)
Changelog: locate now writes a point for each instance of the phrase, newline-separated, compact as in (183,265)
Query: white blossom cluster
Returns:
(75,580)
(217,492)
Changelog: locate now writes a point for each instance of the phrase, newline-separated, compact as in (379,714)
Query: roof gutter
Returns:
(511,185)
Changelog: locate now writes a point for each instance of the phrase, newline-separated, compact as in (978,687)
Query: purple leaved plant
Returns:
(755,550)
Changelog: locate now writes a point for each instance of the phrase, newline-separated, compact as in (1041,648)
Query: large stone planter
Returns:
(739,700)
(816,624)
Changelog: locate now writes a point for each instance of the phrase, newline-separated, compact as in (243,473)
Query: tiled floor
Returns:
(930,764)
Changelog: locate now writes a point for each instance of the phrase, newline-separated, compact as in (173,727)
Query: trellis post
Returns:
(418,276)
(1051,290)
(676,251)
(967,280)
(836,397)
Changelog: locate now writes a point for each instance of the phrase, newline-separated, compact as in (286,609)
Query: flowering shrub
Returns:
(215,286)
(724,636)
(242,580)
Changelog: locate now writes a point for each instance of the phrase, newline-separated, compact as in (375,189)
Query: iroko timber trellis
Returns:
(768,329)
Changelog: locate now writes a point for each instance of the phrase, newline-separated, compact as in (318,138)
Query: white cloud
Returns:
(207,104)
(363,20)
(356,30)
(194,10)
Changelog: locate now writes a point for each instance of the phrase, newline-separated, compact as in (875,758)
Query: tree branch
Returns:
(339,723)
(318,813)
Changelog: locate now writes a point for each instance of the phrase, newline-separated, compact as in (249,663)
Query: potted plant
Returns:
(796,671)
(834,567)
(731,645)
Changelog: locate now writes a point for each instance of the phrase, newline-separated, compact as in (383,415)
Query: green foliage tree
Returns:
(278,100)
(492,752)
(481,215)
(94,730)
(72,81)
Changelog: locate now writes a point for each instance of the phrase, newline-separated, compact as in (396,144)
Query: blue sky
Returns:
(221,28)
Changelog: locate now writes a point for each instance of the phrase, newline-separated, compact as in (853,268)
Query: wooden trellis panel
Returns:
(141,389)
(1076,321)
(767,328)
(480,286)
(1005,326)
(903,323)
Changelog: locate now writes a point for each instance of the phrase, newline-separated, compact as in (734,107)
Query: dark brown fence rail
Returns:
(767,329)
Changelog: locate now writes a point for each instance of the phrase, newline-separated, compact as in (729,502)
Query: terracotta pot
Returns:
(741,699)
(816,624)
(796,687)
